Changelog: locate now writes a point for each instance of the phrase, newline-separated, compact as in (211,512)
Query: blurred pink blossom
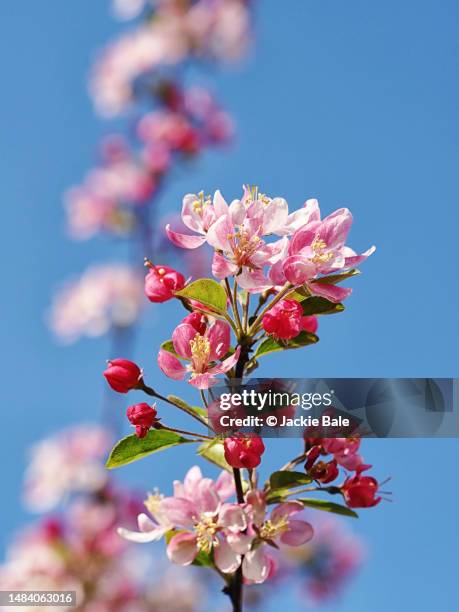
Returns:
(67,463)
(103,297)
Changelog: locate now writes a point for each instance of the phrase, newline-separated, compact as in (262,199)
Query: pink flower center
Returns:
(244,246)
(270,530)
(200,353)
(321,255)
(206,530)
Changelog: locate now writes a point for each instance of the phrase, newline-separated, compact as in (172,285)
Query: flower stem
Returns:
(233,302)
(149,391)
(186,433)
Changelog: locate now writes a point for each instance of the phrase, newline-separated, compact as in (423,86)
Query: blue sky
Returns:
(353,103)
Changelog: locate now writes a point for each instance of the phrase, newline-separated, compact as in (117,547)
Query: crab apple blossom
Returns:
(317,249)
(161,282)
(123,375)
(244,451)
(198,506)
(324,471)
(361,491)
(142,416)
(201,351)
(278,528)
(285,320)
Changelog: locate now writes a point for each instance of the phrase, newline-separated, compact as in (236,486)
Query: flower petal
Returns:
(222,268)
(190,215)
(203,381)
(224,485)
(335,228)
(298,269)
(218,335)
(256,565)
(232,517)
(184,241)
(140,537)
(330,292)
(225,558)
(217,235)
(170,365)
(275,216)
(181,339)
(351,258)
(182,548)
(299,532)
(284,510)
(220,205)
(227,364)
(206,497)
(179,510)
(240,542)
(191,480)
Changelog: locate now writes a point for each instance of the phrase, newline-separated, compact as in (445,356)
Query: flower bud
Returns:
(309,324)
(123,375)
(324,471)
(284,320)
(161,282)
(142,416)
(244,451)
(360,491)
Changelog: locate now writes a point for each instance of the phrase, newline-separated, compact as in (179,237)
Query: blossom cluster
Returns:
(173,32)
(201,520)
(292,264)
(79,550)
(182,124)
(305,250)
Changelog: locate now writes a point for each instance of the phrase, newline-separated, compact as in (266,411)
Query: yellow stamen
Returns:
(200,353)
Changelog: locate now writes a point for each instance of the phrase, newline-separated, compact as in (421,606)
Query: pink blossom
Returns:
(219,30)
(278,527)
(67,463)
(316,249)
(104,296)
(199,213)
(200,351)
(198,505)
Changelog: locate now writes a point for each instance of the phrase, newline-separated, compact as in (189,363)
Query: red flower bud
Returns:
(122,375)
(360,491)
(284,320)
(196,320)
(161,282)
(309,324)
(244,451)
(324,471)
(142,416)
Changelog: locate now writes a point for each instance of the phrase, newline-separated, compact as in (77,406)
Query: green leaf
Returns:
(334,279)
(315,305)
(327,506)
(285,479)
(187,408)
(168,346)
(213,451)
(206,291)
(270,345)
(131,448)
